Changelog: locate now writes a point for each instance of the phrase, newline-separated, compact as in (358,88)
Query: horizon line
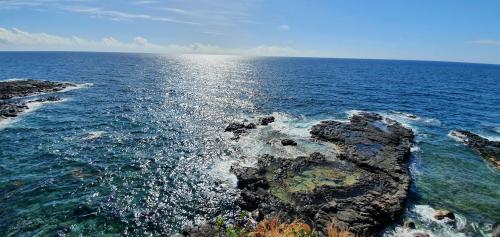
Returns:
(240,55)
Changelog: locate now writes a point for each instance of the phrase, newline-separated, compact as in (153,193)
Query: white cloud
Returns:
(175,10)
(16,39)
(119,16)
(487,42)
(284,27)
(145,2)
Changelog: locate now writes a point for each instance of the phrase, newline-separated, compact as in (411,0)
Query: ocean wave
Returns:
(14,79)
(78,86)
(423,216)
(93,135)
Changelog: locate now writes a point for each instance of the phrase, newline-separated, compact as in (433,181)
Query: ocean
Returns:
(139,148)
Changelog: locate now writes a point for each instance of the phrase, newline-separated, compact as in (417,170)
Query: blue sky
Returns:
(424,30)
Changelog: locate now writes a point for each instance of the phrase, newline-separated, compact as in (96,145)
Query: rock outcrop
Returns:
(21,88)
(489,150)
(364,188)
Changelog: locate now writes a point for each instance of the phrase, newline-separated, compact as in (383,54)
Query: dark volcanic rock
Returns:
(288,142)
(364,189)
(234,126)
(251,126)
(11,110)
(238,128)
(266,120)
(490,150)
(10,89)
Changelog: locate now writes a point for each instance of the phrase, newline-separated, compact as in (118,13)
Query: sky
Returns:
(440,30)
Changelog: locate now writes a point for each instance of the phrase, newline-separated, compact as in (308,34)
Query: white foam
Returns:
(267,139)
(78,86)
(93,135)
(490,137)
(457,136)
(423,216)
(415,148)
(222,171)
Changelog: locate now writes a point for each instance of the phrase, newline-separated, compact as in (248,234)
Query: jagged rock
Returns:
(365,188)
(288,142)
(441,214)
(489,150)
(266,120)
(234,126)
(251,126)
(11,110)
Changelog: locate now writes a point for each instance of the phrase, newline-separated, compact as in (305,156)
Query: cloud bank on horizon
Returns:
(423,30)
(16,39)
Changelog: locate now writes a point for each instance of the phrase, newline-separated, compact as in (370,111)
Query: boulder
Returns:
(266,120)
(288,142)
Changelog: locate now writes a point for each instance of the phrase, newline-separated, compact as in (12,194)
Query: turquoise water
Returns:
(138,149)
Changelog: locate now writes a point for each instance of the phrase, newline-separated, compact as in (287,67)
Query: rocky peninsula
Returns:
(363,189)
(11,90)
(489,150)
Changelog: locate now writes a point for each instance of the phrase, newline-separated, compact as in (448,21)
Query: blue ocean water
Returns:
(138,148)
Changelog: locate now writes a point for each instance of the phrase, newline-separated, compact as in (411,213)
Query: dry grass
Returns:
(273,228)
(334,231)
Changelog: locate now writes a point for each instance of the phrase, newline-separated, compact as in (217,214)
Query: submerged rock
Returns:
(47,99)
(288,142)
(365,188)
(489,150)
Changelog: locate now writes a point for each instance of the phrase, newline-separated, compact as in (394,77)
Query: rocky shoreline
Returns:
(363,189)
(489,150)
(10,90)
